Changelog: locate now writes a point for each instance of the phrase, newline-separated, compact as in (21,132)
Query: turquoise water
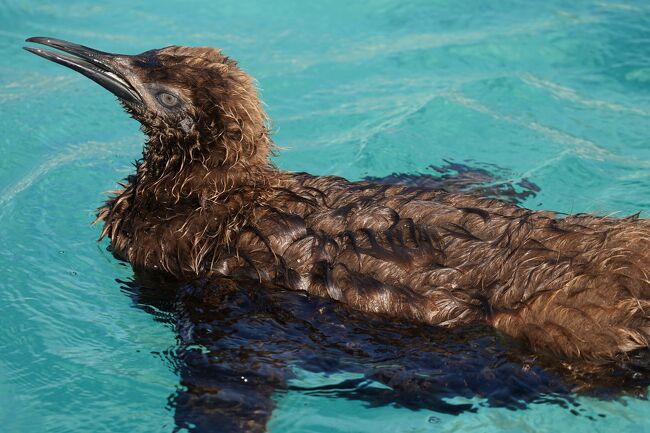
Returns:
(556,92)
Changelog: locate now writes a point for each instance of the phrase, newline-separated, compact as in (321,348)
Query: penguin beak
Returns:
(108,70)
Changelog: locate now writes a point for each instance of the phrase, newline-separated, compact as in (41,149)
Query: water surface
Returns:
(554,92)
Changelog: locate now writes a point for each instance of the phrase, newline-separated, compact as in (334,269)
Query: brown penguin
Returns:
(205,201)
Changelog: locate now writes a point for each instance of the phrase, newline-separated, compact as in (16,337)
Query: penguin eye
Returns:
(167,99)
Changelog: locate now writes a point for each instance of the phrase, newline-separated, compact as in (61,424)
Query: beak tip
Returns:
(33,50)
(37,39)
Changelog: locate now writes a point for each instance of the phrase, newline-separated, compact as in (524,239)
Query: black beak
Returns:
(105,69)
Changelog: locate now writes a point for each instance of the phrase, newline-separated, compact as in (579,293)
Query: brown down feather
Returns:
(208,202)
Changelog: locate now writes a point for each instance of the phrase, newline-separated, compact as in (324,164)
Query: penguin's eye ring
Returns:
(167,99)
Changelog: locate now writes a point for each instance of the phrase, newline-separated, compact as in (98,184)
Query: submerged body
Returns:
(205,202)
(575,286)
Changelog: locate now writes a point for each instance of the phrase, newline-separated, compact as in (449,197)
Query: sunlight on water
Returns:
(555,92)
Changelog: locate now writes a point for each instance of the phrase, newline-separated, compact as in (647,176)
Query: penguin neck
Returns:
(182,168)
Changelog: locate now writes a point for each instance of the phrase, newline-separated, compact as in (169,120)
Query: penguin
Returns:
(206,202)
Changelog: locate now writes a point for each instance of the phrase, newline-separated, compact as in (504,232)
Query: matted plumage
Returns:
(205,201)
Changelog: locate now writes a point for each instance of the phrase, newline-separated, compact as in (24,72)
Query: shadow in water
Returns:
(487,181)
(240,343)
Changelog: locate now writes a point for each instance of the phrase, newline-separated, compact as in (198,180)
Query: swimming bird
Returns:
(205,201)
